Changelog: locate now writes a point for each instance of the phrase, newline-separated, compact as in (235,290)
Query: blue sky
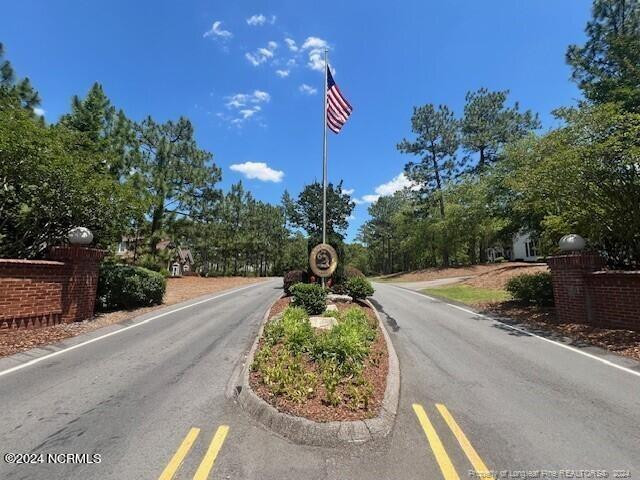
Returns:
(169,58)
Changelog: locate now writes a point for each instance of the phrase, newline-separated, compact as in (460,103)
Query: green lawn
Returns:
(468,294)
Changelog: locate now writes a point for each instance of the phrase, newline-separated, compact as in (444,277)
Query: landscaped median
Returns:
(322,378)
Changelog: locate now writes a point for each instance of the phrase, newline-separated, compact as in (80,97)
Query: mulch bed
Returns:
(315,408)
(15,340)
(622,342)
(279,306)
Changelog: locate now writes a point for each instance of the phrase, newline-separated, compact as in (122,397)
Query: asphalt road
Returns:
(144,398)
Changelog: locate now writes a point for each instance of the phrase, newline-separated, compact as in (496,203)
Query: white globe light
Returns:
(571,242)
(80,236)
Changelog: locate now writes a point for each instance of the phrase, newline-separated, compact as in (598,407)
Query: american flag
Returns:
(338,109)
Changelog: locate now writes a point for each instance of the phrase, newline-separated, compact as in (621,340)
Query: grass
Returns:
(469,294)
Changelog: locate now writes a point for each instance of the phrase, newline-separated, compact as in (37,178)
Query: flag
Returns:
(338,109)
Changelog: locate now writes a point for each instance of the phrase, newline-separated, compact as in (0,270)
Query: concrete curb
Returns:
(330,434)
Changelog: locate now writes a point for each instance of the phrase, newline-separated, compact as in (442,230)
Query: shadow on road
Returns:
(390,320)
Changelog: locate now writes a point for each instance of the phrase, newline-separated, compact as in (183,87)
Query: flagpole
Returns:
(324,157)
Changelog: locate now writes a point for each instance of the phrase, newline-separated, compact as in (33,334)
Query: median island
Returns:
(323,369)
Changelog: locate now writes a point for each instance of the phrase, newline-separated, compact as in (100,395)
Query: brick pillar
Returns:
(569,277)
(79,289)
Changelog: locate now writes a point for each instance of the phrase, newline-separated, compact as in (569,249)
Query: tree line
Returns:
(482,177)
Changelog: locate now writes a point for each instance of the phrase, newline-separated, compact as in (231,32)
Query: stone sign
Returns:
(323,260)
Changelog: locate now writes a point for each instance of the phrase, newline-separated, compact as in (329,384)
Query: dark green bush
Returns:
(292,277)
(126,286)
(532,288)
(310,296)
(358,288)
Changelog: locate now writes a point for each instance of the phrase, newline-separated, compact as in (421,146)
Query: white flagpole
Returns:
(324,157)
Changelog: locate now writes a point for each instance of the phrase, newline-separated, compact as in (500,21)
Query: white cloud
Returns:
(244,106)
(307,89)
(351,217)
(291,43)
(260,19)
(260,96)
(357,201)
(348,191)
(259,170)
(262,54)
(315,47)
(217,31)
(257,19)
(283,73)
(370,198)
(249,112)
(242,99)
(39,111)
(397,183)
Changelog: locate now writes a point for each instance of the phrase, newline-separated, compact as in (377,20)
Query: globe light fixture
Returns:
(571,243)
(80,236)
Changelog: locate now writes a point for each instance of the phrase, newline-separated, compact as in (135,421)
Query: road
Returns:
(473,392)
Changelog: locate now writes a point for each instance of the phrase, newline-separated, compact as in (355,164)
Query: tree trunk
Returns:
(445,246)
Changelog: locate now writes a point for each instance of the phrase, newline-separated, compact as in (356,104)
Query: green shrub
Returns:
(358,288)
(348,343)
(296,329)
(292,277)
(284,374)
(532,288)
(310,296)
(126,286)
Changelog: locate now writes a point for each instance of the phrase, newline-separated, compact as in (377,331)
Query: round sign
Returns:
(323,260)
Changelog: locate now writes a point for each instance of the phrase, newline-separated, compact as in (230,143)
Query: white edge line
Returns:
(522,330)
(120,330)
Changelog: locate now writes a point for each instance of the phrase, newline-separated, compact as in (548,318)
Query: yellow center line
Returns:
(178,457)
(448,471)
(207,462)
(479,466)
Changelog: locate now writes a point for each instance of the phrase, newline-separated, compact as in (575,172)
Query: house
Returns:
(523,248)
(128,246)
(180,259)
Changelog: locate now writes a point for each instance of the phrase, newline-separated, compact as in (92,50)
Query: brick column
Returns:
(79,290)
(569,277)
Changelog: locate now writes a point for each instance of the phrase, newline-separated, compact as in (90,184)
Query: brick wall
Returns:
(30,292)
(34,293)
(615,299)
(584,293)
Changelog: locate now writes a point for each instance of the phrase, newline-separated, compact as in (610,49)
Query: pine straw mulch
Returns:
(543,321)
(315,408)
(498,278)
(436,273)
(15,340)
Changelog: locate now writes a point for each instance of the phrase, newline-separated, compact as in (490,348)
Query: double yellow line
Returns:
(209,458)
(444,462)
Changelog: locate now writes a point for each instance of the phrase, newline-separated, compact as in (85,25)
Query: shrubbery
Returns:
(339,353)
(358,288)
(125,286)
(532,288)
(292,277)
(310,296)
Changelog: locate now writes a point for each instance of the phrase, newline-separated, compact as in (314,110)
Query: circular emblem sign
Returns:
(323,260)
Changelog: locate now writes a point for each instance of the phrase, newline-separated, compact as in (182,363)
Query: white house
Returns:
(522,248)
